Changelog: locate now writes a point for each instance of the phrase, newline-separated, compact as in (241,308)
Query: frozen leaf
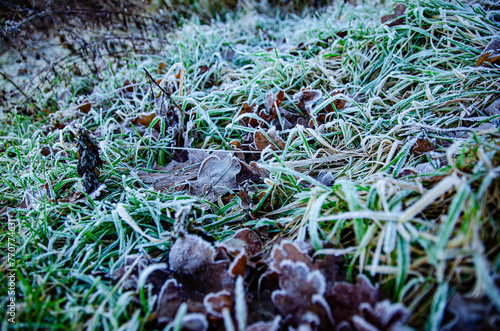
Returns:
(272,105)
(141,124)
(89,160)
(423,146)
(248,121)
(383,316)
(169,301)
(390,20)
(246,201)
(189,253)
(339,103)
(251,172)
(266,326)
(214,303)
(341,34)
(325,178)
(471,314)
(289,251)
(237,267)
(491,54)
(216,177)
(128,86)
(194,322)
(134,267)
(424,168)
(85,107)
(203,69)
(407,172)
(174,175)
(306,98)
(253,245)
(272,140)
(494,108)
(348,300)
(301,295)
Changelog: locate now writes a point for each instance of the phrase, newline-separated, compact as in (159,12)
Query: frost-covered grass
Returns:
(422,235)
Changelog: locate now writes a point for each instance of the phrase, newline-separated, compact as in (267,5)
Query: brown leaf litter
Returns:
(206,176)
(491,53)
(285,288)
(89,160)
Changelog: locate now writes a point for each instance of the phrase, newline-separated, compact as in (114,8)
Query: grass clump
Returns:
(401,180)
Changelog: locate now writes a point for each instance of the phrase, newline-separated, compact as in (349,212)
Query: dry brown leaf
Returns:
(491,53)
(214,303)
(399,11)
(339,103)
(253,245)
(237,267)
(141,123)
(216,177)
(85,107)
(306,98)
(203,69)
(89,160)
(128,86)
(248,121)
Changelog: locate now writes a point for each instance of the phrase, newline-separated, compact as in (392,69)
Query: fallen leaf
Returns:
(471,314)
(89,160)
(493,109)
(169,300)
(128,86)
(215,303)
(339,103)
(272,106)
(251,172)
(325,178)
(203,69)
(253,245)
(175,175)
(491,53)
(341,34)
(266,326)
(301,296)
(423,146)
(85,107)
(216,177)
(141,123)
(189,253)
(399,11)
(270,138)
(306,98)
(248,121)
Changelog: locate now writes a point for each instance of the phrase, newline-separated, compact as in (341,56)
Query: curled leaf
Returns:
(89,160)
(85,107)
